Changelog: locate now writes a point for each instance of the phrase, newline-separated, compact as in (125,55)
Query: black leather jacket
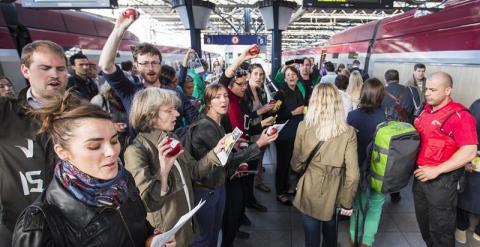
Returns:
(205,135)
(73,223)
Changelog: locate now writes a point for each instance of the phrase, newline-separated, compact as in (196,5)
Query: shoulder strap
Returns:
(312,154)
(413,98)
(448,118)
(392,97)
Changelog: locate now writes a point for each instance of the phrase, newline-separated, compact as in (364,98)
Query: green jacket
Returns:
(141,159)
(280,79)
(198,85)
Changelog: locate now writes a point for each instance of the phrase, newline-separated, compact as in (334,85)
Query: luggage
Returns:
(393,156)
(337,216)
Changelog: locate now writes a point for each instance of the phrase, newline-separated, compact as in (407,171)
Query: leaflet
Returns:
(230,141)
(160,239)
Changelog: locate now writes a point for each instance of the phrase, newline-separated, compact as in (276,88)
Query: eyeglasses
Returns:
(153,63)
(240,73)
(241,84)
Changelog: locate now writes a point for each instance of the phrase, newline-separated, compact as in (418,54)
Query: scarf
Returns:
(93,191)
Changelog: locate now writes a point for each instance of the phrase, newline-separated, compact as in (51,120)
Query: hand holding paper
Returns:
(164,238)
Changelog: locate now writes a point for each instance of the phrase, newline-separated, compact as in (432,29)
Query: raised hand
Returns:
(126,18)
(166,161)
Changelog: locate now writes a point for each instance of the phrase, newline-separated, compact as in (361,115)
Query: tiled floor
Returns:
(281,226)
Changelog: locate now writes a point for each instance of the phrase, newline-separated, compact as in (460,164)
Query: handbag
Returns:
(311,155)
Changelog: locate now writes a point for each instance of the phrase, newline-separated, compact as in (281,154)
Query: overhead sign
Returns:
(260,40)
(69,4)
(346,4)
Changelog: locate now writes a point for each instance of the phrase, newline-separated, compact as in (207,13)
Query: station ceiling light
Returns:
(201,11)
(285,10)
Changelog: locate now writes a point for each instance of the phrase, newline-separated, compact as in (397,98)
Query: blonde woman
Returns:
(355,87)
(331,178)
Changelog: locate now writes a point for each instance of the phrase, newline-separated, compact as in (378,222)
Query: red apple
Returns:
(254,51)
(129,12)
(175,145)
(271,131)
(243,167)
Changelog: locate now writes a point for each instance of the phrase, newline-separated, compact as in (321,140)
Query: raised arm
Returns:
(107,57)
(244,56)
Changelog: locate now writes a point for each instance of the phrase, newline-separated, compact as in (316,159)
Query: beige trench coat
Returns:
(332,177)
(164,211)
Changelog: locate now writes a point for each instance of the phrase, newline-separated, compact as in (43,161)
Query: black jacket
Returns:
(245,107)
(205,135)
(26,161)
(86,89)
(73,223)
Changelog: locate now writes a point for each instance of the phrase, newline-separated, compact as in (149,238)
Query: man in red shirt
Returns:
(448,141)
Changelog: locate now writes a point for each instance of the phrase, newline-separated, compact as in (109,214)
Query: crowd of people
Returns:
(87,160)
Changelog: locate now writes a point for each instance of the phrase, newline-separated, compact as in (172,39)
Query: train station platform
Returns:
(281,226)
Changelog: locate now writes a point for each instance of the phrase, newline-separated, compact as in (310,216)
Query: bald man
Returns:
(448,141)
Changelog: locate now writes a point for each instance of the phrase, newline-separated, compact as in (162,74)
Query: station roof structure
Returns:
(309,27)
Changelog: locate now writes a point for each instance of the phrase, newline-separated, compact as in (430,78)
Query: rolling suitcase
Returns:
(355,240)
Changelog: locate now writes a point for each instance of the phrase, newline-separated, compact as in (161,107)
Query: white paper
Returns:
(160,239)
(223,157)
(279,127)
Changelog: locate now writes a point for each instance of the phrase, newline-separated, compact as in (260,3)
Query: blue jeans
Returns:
(312,232)
(210,216)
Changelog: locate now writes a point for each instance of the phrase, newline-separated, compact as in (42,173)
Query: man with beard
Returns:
(147,59)
(27,159)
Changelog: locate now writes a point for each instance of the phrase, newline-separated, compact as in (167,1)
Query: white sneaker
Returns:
(476,237)
(461,236)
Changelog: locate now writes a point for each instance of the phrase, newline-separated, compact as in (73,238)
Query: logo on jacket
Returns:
(29,150)
(30,184)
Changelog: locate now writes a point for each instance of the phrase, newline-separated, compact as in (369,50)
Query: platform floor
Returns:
(282,226)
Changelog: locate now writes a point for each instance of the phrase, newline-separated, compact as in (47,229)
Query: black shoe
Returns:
(257,206)
(395,197)
(243,235)
(284,200)
(245,221)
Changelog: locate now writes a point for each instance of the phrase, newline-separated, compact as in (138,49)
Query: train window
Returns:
(353,55)
(335,55)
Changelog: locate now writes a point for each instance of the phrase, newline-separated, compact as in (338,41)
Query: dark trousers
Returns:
(312,227)
(284,155)
(436,209)
(463,222)
(248,183)
(209,216)
(234,209)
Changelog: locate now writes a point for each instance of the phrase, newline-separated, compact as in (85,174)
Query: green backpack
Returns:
(393,156)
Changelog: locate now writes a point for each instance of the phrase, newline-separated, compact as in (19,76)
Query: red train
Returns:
(67,28)
(447,40)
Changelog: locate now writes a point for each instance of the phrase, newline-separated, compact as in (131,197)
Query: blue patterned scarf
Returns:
(93,191)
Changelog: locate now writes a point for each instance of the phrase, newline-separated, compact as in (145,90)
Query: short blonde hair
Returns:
(325,112)
(29,49)
(146,104)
